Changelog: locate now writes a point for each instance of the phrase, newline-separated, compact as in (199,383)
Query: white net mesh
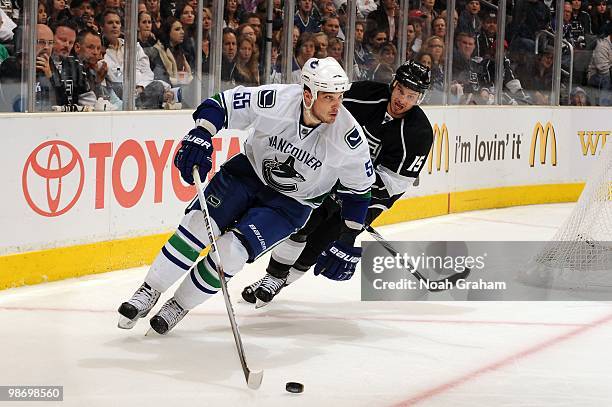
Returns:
(583,243)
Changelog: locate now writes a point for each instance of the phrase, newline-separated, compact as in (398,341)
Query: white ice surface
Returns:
(318,332)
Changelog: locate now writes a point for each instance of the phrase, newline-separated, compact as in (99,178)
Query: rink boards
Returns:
(90,192)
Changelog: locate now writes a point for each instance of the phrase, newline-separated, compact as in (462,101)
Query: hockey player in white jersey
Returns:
(301,142)
(400,137)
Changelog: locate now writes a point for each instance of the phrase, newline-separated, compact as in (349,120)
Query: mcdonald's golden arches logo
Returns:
(440,146)
(542,132)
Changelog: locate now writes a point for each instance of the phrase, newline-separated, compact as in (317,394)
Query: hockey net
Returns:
(582,247)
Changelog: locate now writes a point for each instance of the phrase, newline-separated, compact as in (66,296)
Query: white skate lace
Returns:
(172,312)
(271,283)
(144,298)
(256,284)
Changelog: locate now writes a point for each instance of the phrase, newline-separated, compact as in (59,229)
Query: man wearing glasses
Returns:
(60,77)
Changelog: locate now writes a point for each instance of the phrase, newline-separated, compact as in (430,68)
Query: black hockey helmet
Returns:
(412,75)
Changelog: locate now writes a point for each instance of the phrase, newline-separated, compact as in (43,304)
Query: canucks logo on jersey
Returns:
(283,170)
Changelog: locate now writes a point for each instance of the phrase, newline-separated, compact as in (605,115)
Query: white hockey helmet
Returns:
(324,75)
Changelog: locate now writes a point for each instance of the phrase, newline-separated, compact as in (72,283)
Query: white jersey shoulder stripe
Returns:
(364,101)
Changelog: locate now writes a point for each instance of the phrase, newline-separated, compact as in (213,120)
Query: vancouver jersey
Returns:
(398,148)
(301,162)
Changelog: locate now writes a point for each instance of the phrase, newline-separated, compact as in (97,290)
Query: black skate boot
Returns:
(138,306)
(168,316)
(248,294)
(268,288)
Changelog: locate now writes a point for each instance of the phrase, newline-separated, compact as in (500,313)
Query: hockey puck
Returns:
(294,387)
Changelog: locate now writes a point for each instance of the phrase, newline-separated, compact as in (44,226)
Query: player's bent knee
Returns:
(193,228)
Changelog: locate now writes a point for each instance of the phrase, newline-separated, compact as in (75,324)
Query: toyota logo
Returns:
(43,174)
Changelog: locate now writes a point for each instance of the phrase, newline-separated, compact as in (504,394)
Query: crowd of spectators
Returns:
(80,49)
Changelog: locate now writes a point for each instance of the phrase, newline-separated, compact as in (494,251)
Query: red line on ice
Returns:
(444,387)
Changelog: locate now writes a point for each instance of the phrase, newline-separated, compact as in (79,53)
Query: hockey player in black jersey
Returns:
(399,136)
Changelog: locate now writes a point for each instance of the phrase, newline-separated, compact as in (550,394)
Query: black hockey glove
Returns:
(339,260)
(196,149)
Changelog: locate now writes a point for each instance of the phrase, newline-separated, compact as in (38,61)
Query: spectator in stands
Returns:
(600,15)
(528,17)
(387,18)
(331,27)
(65,35)
(304,19)
(465,69)
(425,58)
(172,53)
(154,8)
(385,62)
(598,72)
(295,36)
(444,15)
(250,6)
(410,41)
(322,43)
(60,78)
(42,13)
(375,38)
(429,14)
(231,14)
(486,36)
(336,49)
(579,97)
(146,37)
(54,7)
(573,29)
(206,27)
(150,93)
(581,17)
(88,48)
(438,27)
(147,40)
(305,49)
(247,62)
(256,22)
(538,80)
(512,89)
(363,58)
(246,30)
(469,21)
(229,51)
(186,15)
(80,7)
(365,7)
(327,8)
(416,21)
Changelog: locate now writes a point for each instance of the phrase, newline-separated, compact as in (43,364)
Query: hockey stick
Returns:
(253,379)
(451,279)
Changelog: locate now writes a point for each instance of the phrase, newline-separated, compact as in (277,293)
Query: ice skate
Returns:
(138,306)
(168,316)
(248,294)
(268,288)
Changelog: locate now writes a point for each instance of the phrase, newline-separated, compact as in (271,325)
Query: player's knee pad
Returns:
(193,229)
(232,252)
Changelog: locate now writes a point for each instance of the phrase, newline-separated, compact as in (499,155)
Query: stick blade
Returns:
(254,379)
